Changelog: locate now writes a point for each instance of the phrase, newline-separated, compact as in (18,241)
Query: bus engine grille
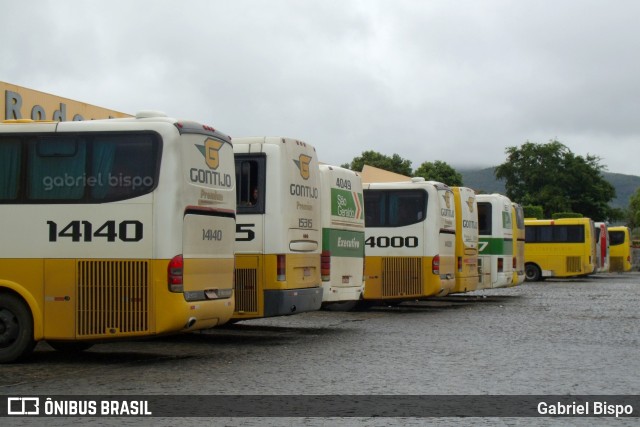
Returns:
(401,276)
(574,264)
(113,298)
(246,290)
(616,263)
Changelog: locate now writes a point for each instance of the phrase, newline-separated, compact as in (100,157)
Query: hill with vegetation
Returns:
(484,181)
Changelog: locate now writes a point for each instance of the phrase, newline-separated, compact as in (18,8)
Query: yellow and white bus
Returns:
(279,229)
(466,274)
(517,223)
(342,260)
(602,247)
(559,248)
(620,249)
(496,240)
(113,229)
(410,233)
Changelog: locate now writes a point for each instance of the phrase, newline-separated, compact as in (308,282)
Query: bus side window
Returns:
(123,167)
(56,169)
(10,160)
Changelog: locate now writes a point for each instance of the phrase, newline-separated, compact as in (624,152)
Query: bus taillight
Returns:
(515,263)
(459,263)
(281,268)
(174,274)
(500,265)
(325,266)
(435,265)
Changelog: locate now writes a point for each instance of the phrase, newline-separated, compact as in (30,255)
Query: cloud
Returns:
(437,80)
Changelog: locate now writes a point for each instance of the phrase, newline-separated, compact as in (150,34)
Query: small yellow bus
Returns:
(559,248)
(620,249)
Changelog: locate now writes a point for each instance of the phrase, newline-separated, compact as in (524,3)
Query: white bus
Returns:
(410,232)
(342,263)
(602,247)
(496,240)
(278,233)
(517,224)
(467,279)
(113,229)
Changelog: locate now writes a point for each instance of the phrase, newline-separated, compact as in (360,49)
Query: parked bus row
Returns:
(149,225)
(571,247)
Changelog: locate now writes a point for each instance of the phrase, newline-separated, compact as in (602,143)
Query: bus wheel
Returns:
(532,273)
(70,346)
(16,328)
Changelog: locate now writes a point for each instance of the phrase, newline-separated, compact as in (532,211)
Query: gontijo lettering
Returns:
(303,191)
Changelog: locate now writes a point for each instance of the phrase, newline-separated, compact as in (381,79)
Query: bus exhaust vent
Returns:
(574,264)
(246,290)
(401,276)
(113,298)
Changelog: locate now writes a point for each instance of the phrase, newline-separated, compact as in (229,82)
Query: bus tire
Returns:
(70,346)
(532,273)
(16,328)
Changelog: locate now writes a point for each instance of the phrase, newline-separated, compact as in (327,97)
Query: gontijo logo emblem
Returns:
(303,164)
(447,211)
(470,203)
(211,152)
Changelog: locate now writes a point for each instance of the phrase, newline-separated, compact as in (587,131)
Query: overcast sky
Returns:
(457,81)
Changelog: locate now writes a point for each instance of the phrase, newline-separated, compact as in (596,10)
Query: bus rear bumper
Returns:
(291,301)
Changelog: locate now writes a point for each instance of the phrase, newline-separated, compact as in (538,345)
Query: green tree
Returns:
(439,171)
(551,176)
(633,211)
(394,163)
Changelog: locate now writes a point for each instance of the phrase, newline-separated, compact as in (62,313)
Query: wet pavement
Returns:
(557,337)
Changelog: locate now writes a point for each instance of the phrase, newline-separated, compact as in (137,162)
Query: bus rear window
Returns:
(485,227)
(250,183)
(394,208)
(616,238)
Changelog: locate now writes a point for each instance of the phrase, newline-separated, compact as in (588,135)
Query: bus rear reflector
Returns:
(174,274)
(281,266)
(325,265)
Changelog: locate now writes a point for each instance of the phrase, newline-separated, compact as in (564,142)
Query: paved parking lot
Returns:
(576,337)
